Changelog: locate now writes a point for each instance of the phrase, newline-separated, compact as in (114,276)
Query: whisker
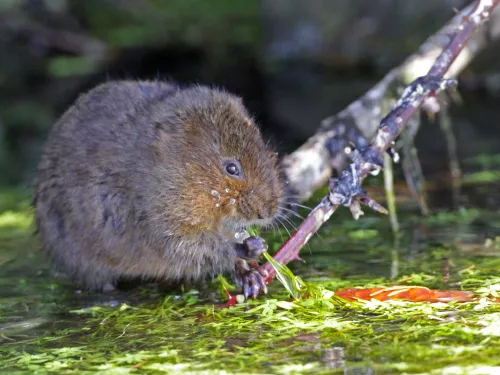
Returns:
(284,226)
(300,205)
(292,203)
(295,228)
(292,212)
(316,233)
(289,197)
(288,221)
(279,231)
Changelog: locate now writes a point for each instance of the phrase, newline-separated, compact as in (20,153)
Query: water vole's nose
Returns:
(267,210)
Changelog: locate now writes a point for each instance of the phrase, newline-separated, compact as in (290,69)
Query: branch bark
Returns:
(346,190)
(311,165)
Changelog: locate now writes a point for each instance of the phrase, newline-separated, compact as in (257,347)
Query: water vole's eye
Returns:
(233,168)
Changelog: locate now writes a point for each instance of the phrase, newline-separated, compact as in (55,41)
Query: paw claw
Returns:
(250,280)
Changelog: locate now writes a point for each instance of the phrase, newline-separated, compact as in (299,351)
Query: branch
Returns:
(347,190)
(311,165)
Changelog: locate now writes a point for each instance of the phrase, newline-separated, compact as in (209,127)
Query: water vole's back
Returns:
(87,197)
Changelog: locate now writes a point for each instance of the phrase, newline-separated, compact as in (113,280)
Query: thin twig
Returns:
(451,144)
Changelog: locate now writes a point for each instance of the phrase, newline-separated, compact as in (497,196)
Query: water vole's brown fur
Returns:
(132,183)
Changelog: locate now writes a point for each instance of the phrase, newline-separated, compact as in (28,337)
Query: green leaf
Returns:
(292,284)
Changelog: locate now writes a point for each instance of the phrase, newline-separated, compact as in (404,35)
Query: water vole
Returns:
(143,179)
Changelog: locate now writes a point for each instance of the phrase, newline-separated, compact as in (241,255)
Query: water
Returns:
(48,325)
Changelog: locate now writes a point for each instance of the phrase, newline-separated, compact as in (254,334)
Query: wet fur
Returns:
(125,187)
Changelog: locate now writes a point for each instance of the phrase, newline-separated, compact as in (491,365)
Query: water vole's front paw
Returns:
(252,281)
(252,248)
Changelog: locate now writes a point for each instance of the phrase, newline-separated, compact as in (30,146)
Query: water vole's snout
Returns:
(258,206)
(264,212)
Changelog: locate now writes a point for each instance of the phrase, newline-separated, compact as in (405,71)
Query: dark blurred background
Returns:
(294,62)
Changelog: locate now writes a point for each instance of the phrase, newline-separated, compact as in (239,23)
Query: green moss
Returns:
(481,177)
(363,234)
(10,219)
(486,161)
(463,215)
(46,326)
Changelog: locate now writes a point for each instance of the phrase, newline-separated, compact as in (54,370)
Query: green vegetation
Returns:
(47,326)
(482,177)
(486,161)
